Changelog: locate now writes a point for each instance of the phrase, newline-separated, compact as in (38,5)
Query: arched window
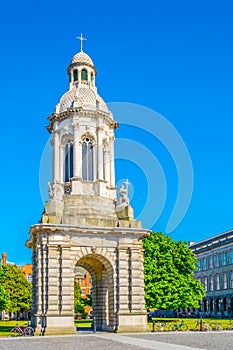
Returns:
(75,75)
(87,160)
(69,165)
(84,74)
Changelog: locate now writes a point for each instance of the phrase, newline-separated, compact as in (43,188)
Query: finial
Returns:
(81,38)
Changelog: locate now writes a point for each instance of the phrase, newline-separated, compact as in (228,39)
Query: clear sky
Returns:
(174,57)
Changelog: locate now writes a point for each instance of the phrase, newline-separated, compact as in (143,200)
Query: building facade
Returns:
(215,271)
(86,222)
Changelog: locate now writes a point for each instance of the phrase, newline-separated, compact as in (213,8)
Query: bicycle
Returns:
(159,326)
(216,326)
(230,325)
(181,326)
(24,331)
(202,325)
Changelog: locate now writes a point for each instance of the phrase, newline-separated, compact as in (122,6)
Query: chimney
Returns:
(3,258)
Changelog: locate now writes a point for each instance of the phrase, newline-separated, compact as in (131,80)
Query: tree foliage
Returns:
(169,274)
(78,305)
(3,293)
(18,289)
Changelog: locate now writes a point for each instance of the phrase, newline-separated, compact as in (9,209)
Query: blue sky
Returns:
(174,57)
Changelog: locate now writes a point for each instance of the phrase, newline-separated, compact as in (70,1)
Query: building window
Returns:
(75,75)
(84,74)
(204,264)
(199,265)
(29,278)
(210,262)
(69,167)
(217,281)
(224,280)
(216,260)
(87,160)
(231,280)
(205,283)
(231,257)
(211,283)
(83,291)
(224,259)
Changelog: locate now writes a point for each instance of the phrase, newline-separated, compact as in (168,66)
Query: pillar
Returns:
(137,281)
(107,166)
(56,168)
(62,156)
(112,167)
(100,153)
(77,153)
(131,315)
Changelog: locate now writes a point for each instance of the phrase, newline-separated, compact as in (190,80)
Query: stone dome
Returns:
(82,58)
(81,97)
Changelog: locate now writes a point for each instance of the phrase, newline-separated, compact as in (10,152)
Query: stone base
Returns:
(132,322)
(53,325)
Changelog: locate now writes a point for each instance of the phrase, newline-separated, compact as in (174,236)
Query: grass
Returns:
(191,322)
(6,326)
(83,323)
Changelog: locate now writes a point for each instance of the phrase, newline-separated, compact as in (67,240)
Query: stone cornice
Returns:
(213,242)
(80,113)
(91,230)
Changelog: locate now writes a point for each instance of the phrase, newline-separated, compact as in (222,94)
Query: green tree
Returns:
(169,274)
(3,293)
(19,290)
(87,301)
(79,308)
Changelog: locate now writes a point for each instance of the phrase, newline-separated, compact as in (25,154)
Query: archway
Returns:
(101,272)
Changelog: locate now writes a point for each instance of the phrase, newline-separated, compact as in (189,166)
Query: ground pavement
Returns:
(112,341)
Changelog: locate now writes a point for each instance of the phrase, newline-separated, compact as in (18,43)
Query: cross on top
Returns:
(81,38)
(127,183)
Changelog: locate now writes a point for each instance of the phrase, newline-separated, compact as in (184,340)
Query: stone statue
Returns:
(51,191)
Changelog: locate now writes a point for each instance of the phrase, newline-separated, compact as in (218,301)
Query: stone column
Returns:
(112,167)
(60,291)
(137,301)
(107,166)
(100,153)
(67,283)
(77,159)
(53,280)
(123,280)
(131,311)
(62,156)
(56,168)
(95,162)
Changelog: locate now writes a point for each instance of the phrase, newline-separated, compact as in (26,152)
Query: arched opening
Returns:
(101,273)
(87,160)
(84,74)
(75,76)
(69,166)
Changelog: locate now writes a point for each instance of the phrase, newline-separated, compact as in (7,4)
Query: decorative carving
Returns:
(123,199)
(55,191)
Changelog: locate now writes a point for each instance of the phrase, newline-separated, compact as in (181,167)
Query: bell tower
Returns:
(82,138)
(86,221)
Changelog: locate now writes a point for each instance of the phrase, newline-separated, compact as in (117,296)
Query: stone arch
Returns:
(66,137)
(103,295)
(89,135)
